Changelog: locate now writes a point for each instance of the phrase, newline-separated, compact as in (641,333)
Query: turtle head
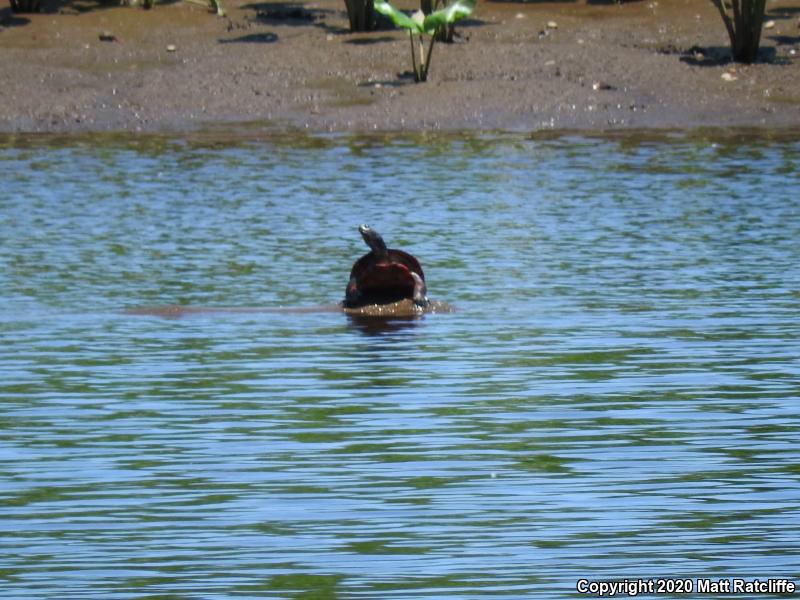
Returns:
(373,239)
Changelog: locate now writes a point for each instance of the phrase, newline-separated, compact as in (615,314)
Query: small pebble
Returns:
(729,76)
(769,25)
(171,48)
(552,25)
(519,16)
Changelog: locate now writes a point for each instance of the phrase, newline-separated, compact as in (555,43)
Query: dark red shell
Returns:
(386,279)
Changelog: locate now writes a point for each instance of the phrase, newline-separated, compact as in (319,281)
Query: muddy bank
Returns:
(643,64)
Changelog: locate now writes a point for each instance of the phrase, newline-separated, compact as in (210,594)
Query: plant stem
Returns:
(413,58)
(422,72)
(725,19)
(743,20)
(430,53)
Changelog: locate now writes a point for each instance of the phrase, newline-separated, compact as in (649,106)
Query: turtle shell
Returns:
(386,280)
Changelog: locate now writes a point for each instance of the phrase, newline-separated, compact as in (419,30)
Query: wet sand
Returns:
(606,66)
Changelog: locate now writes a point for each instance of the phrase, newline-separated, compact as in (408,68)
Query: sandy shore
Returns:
(284,66)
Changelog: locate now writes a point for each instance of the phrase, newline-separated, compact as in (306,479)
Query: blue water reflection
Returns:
(615,397)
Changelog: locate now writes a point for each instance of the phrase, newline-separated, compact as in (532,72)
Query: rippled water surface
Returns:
(616,396)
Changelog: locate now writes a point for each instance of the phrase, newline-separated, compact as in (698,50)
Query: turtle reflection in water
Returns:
(387,282)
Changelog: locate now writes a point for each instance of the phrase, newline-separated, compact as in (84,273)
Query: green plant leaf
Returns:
(398,18)
(448,15)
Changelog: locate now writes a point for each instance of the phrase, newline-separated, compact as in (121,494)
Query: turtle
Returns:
(384,275)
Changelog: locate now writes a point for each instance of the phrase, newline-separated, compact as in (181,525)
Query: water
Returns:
(616,396)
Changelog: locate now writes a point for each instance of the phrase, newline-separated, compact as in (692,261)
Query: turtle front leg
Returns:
(352,293)
(420,291)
